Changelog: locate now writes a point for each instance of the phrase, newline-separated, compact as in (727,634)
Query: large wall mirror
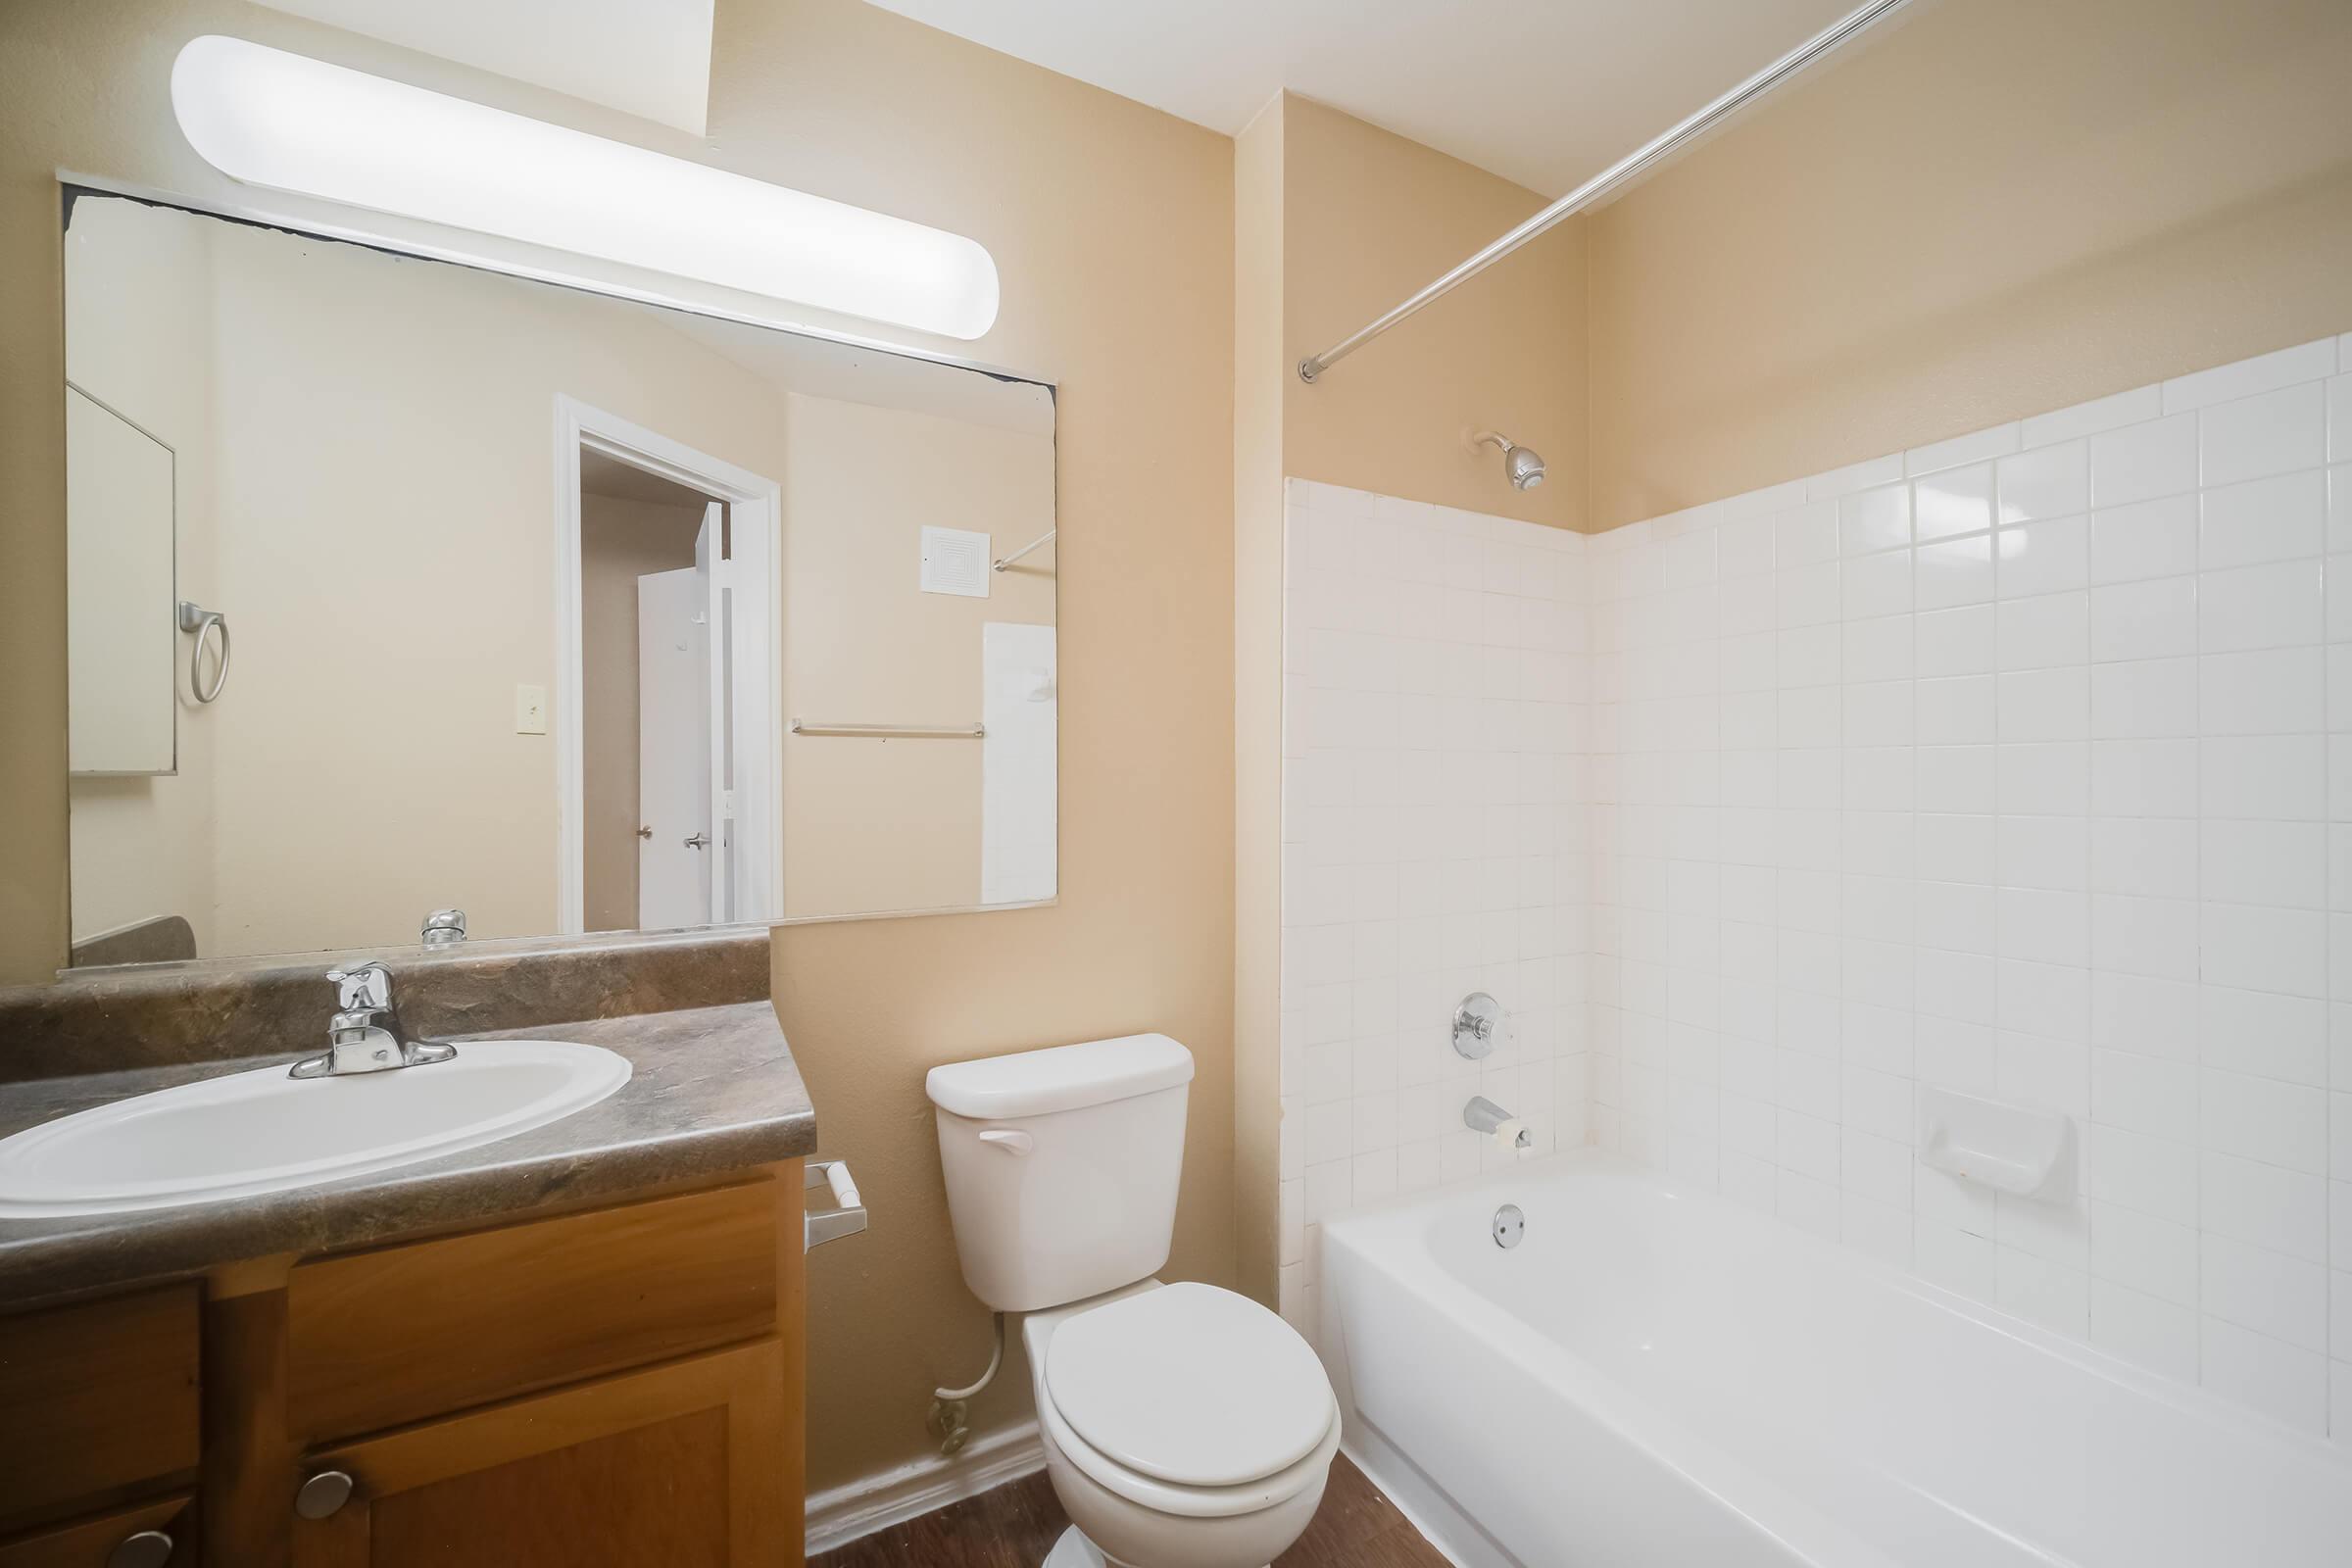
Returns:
(396,586)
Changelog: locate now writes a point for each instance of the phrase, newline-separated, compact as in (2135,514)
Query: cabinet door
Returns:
(680,1464)
(98,1406)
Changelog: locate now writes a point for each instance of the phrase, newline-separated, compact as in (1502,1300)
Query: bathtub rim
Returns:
(1386,1218)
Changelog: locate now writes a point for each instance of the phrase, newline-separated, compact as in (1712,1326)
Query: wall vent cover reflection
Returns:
(292,124)
(955,561)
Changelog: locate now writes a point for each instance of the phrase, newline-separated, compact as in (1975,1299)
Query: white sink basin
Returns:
(262,1132)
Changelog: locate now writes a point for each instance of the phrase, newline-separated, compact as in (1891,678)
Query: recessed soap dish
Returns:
(2021,1149)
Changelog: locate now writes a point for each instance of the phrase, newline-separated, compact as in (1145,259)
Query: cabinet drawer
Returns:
(395,1334)
(96,1399)
(91,1543)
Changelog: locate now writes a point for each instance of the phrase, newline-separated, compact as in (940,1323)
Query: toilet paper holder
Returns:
(847,1217)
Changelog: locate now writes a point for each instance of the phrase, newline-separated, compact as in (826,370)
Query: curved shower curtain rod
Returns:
(1638,162)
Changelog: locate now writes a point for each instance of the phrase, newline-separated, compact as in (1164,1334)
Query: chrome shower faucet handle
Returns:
(1477,1026)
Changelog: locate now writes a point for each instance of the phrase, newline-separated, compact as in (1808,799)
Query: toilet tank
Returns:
(1062,1166)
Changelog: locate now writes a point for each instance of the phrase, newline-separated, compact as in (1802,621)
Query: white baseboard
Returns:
(843,1513)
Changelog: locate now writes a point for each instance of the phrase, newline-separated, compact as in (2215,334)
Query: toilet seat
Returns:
(1190,1384)
(1189,1400)
(1186,1503)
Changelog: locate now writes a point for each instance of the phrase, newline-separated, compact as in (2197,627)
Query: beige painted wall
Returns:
(1110,224)
(1260,372)
(1999,208)
(1369,218)
(621,541)
(893,825)
(1335,220)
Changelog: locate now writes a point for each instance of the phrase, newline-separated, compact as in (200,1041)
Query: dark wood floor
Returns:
(1017,1525)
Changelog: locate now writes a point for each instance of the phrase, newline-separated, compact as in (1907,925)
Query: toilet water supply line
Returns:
(951,1408)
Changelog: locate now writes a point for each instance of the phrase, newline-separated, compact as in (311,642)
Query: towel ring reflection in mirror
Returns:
(204,623)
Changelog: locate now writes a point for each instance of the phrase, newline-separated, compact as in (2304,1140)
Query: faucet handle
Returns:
(363,985)
(1477,1025)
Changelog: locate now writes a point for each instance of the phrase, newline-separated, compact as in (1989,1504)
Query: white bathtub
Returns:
(1657,1377)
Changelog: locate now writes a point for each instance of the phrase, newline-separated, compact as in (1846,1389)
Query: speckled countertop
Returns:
(713,1090)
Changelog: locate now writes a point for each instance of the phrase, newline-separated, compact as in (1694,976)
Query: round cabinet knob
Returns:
(322,1494)
(149,1548)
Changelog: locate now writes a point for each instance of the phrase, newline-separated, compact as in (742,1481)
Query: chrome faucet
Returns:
(366,1034)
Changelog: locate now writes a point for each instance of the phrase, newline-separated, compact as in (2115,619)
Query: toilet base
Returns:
(1074,1550)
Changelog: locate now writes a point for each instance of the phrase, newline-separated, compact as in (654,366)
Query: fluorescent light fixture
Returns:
(291,123)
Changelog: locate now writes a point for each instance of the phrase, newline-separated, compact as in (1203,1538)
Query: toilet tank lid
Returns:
(1037,1082)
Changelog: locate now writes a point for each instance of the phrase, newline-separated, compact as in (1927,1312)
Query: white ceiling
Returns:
(649,58)
(1543,92)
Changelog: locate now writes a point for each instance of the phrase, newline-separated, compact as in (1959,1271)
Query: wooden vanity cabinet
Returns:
(607,1388)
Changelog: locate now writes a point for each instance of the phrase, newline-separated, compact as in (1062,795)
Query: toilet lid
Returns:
(1190,1384)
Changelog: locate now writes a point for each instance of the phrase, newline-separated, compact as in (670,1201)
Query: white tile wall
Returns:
(1433,843)
(2020,763)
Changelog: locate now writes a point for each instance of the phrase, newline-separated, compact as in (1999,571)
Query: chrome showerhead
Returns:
(1525,468)
(1520,465)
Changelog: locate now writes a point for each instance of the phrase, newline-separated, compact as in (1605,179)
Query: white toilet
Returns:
(1184,1426)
